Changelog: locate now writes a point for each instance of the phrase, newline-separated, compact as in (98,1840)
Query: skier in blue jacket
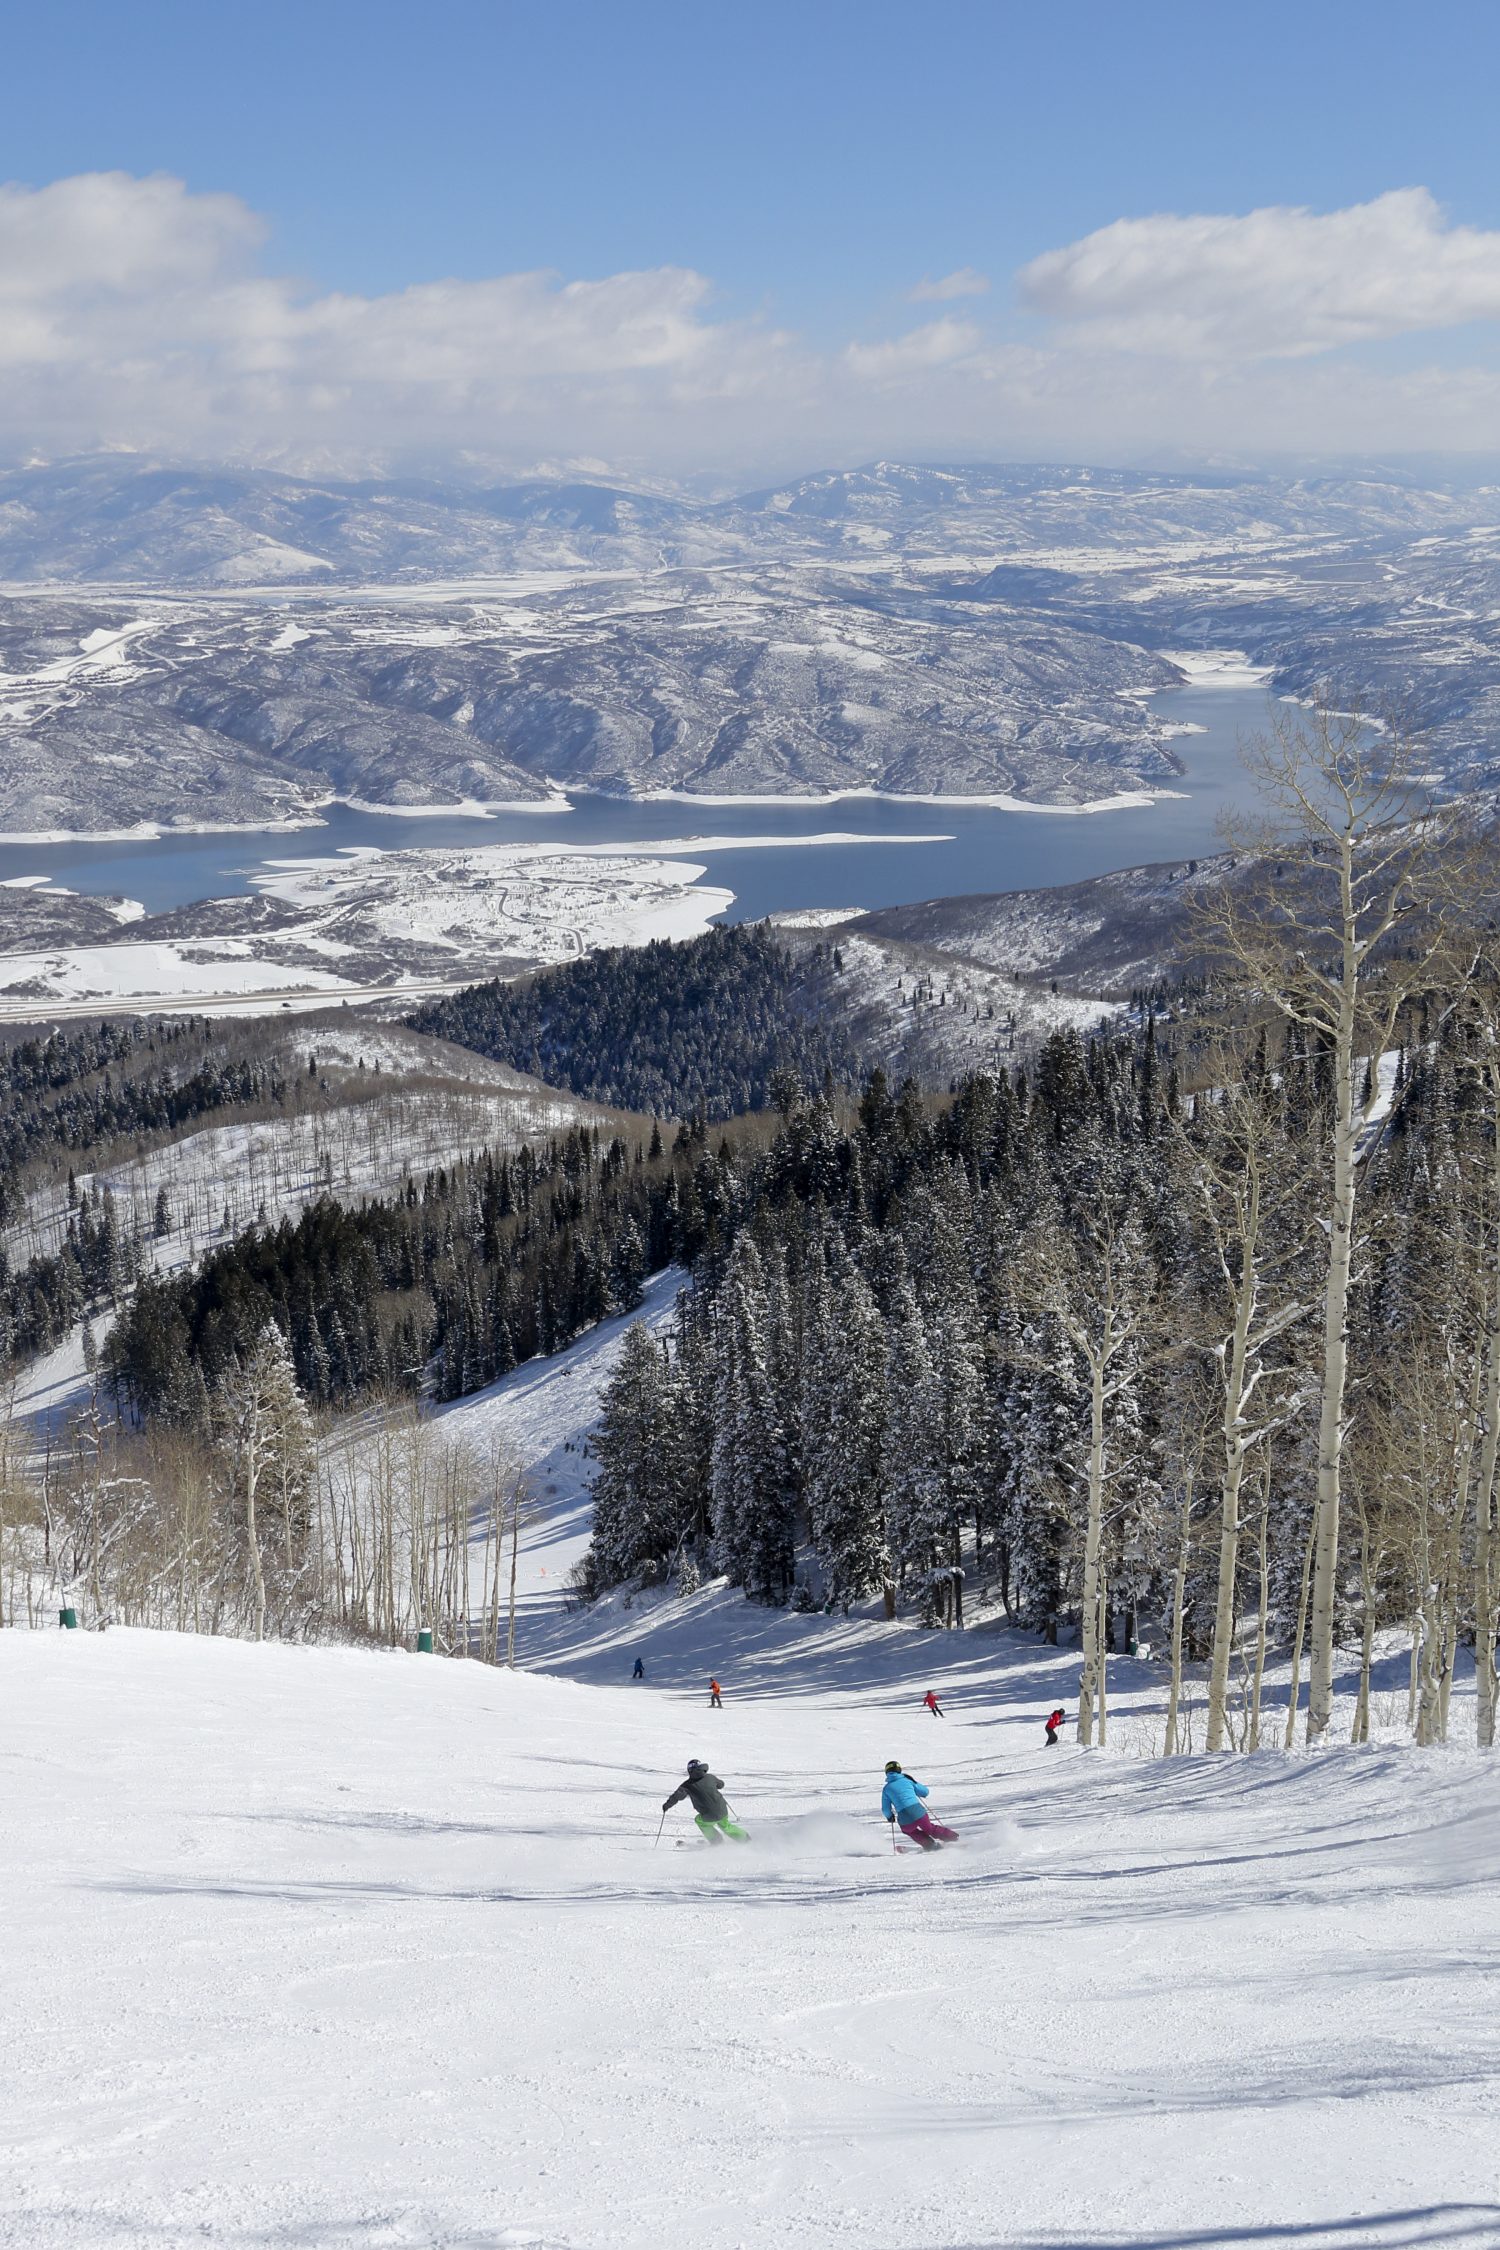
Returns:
(901,1802)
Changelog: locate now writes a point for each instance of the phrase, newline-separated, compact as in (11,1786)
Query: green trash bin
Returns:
(69,1619)
(424,1642)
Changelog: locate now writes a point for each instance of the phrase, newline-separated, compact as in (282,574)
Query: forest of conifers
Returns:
(1189,1332)
(701,1028)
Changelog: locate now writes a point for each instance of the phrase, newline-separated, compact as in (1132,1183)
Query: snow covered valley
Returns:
(314,1946)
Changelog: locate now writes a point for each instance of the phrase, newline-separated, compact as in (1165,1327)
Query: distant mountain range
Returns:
(185,645)
(122,521)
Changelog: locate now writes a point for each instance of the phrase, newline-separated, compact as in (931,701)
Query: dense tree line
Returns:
(42,1300)
(1242,1353)
(73,1090)
(709,1027)
(451,1281)
(1005,1340)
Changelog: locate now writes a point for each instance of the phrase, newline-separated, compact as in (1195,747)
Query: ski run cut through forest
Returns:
(1094,1454)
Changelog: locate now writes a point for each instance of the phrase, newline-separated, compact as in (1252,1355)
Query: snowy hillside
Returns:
(539,1418)
(314,1946)
(979,631)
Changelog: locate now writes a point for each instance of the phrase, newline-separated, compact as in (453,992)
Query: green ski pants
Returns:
(715,1830)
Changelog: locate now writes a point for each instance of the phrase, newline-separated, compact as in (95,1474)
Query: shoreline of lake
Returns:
(987,846)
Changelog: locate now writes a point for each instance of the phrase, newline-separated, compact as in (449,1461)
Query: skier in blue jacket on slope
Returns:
(901,1801)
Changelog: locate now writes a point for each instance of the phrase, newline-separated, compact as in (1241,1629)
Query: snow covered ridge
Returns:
(725,686)
(324,1946)
(981,634)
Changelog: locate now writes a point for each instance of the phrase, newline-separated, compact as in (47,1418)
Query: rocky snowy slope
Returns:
(1107,935)
(309,1945)
(974,999)
(760,681)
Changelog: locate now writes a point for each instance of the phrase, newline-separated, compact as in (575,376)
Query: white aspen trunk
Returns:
(1179,1602)
(1295,1688)
(1484,1510)
(1229,1527)
(1088,1685)
(1484,1611)
(1429,1705)
(515,1544)
(1335,1336)
(1103,1659)
(1360,1730)
(1450,1653)
(257,1575)
(493,1605)
(1258,1683)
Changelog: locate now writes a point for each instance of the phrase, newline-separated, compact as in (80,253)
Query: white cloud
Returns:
(131,314)
(1277,283)
(962,282)
(136,314)
(937,344)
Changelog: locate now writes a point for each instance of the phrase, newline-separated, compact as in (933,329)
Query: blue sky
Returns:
(809,166)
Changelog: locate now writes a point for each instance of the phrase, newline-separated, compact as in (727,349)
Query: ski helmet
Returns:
(891,1766)
(696,1765)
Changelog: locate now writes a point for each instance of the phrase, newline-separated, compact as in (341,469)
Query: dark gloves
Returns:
(666,1804)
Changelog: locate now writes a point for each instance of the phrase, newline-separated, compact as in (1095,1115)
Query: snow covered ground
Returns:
(369,919)
(325,1947)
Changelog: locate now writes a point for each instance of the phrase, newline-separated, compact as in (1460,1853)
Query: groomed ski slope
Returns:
(328,1947)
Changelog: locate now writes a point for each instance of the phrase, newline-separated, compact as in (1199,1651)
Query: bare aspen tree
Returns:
(515,1549)
(1195,1435)
(1425,1436)
(1102,1292)
(1263,1609)
(267,1433)
(1299,1636)
(1248,1195)
(1481,1017)
(1313,927)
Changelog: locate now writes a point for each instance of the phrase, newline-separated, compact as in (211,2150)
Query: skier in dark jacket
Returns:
(706,1791)
(640,1670)
(1054,1721)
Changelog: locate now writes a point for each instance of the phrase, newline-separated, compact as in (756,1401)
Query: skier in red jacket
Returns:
(1054,1721)
(931,1703)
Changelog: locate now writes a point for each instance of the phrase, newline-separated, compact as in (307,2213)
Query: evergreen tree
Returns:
(639,1489)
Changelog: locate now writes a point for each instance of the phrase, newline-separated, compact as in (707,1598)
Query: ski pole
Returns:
(662,1824)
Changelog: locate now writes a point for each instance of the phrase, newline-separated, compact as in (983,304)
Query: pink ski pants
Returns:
(927,1831)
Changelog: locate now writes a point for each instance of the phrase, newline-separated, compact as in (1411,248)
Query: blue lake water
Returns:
(984,849)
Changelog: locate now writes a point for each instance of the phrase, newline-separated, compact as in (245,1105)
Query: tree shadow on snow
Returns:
(1425,2228)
